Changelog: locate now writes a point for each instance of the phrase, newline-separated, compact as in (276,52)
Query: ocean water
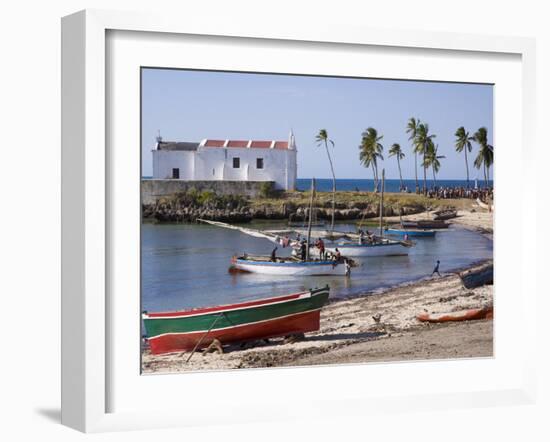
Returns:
(391,185)
(186,265)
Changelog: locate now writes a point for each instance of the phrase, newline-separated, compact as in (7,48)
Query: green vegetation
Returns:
(463,143)
(208,199)
(431,159)
(370,151)
(424,144)
(485,156)
(395,150)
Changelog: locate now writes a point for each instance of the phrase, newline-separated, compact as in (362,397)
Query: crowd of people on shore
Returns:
(483,194)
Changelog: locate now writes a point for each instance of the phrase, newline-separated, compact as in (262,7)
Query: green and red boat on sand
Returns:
(188,330)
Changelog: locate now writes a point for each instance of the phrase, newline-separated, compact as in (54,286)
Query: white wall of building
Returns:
(165,160)
(214,163)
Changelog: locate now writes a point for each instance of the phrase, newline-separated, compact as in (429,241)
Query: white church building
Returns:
(229,160)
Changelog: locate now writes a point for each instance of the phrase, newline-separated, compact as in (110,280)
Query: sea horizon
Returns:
(367,184)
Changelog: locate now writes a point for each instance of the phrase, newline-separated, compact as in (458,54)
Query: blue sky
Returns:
(192,105)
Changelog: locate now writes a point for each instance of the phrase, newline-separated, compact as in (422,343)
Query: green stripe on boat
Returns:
(233,318)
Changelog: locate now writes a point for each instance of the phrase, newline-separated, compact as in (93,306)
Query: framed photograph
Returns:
(251,214)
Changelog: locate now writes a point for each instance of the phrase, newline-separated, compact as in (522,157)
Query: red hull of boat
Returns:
(298,323)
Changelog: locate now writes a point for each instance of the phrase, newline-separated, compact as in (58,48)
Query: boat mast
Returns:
(310,216)
(382,205)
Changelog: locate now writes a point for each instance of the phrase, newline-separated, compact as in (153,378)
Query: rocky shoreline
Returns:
(178,210)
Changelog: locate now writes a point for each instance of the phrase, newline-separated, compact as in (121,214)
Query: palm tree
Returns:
(395,150)
(432,160)
(370,151)
(485,155)
(322,138)
(463,143)
(423,142)
(412,128)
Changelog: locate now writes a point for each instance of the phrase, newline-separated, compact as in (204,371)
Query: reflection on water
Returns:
(186,265)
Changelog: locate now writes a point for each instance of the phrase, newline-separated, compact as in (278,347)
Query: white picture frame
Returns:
(87,207)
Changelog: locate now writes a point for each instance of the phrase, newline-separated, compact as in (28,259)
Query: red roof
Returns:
(214,143)
(281,144)
(262,144)
(258,144)
(237,143)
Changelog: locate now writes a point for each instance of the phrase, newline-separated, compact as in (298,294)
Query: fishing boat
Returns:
(373,245)
(290,266)
(421,233)
(425,224)
(188,330)
(445,214)
(485,205)
(477,276)
(378,247)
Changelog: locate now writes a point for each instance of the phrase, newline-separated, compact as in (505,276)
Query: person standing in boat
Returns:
(321,245)
(361,237)
(436,269)
(337,255)
(303,250)
(274,255)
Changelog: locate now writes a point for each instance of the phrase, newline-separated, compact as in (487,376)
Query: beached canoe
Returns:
(445,214)
(259,319)
(477,276)
(462,315)
(411,232)
(287,266)
(425,224)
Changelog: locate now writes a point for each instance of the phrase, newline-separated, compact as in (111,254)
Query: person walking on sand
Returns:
(436,269)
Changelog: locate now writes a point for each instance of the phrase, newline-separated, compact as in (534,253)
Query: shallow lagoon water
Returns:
(186,265)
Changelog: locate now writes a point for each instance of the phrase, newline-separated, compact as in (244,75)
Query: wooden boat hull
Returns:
(462,315)
(425,224)
(354,250)
(477,276)
(444,215)
(291,268)
(260,319)
(411,233)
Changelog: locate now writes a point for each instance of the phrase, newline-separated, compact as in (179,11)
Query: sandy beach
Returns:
(373,327)
(349,333)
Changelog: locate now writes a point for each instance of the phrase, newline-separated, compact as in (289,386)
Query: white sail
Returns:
(273,237)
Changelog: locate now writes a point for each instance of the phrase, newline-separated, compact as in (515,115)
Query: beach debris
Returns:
(377,318)
(214,347)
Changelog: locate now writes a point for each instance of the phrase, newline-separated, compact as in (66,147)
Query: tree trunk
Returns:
(333,187)
(467,171)
(400,177)
(485,173)
(375,178)
(424,166)
(416,172)
(435,181)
